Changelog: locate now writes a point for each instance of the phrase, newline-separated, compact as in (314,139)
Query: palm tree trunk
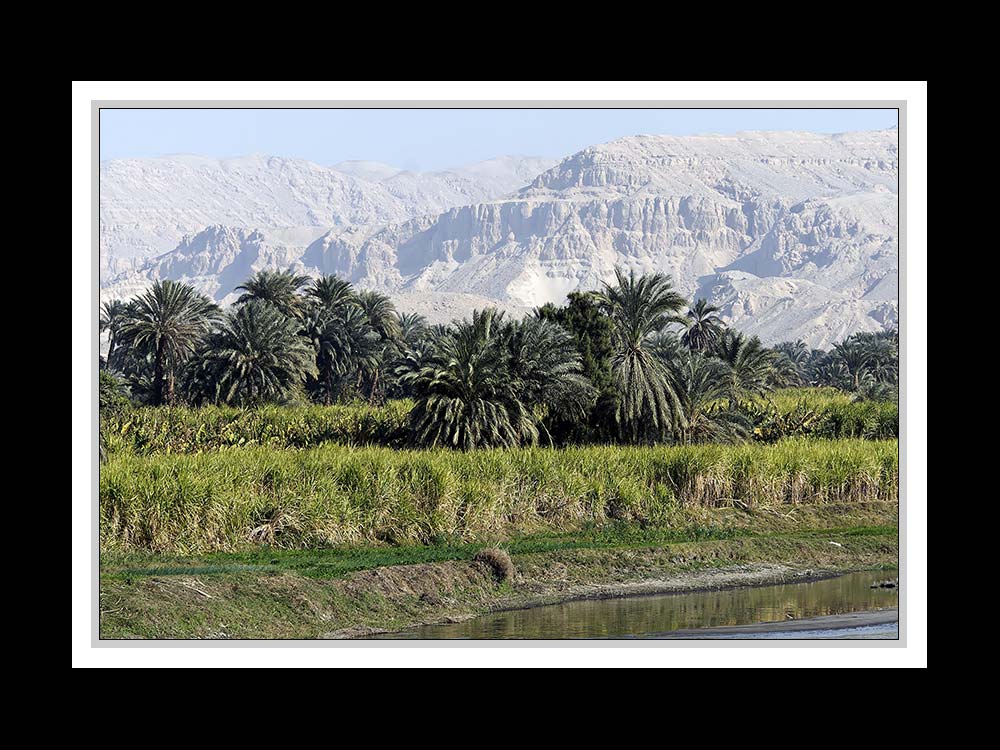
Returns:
(158,372)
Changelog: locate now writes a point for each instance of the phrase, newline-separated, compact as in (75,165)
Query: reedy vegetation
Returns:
(333,495)
(626,364)
(794,412)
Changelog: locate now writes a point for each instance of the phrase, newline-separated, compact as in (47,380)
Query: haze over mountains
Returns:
(793,235)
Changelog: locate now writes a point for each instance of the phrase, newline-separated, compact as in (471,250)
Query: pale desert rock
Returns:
(793,235)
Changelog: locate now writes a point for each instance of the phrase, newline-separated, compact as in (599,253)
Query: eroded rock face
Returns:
(148,205)
(793,235)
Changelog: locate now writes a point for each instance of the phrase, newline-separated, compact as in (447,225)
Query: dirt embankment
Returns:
(288,605)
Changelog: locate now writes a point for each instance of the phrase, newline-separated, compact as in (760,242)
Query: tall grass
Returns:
(789,412)
(239,498)
(816,398)
(147,430)
(824,413)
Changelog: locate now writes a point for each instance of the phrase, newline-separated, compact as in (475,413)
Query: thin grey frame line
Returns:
(98,105)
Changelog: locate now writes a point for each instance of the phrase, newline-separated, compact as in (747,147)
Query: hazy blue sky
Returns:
(435,139)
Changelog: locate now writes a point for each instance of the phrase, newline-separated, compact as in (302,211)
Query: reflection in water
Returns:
(638,616)
(884,632)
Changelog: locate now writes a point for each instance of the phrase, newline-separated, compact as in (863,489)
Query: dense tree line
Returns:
(629,363)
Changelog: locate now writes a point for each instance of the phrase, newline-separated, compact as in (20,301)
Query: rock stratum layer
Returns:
(792,235)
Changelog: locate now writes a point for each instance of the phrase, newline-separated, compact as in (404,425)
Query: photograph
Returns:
(439,373)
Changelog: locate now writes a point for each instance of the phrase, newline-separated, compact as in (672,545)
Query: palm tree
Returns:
(666,346)
(278,288)
(255,356)
(640,307)
(883,354)
(167,322)
(465,396)
(407,353)
(331,292)
(381,314)
(791,363)
(751,365)
(344,345)
(114,313)
(830,371)
(854,357)
(542,359)
(412,328)
(701,382)
(703,326)
(382,318)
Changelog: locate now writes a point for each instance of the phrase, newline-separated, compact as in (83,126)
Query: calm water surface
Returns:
(656,616)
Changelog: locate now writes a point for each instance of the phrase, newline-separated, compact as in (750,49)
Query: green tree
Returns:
(278,288)
(255,356)
(331,292)
(466,398)
(751,365)
(114,315)
(543,362)
(166,323)
(593,333)
(383,319)
(381,314)
(413,329)
(344,345)
(406,353)
(791,363)
(855,358)
(701,383)
(883,354)
(702,326)
(640,307)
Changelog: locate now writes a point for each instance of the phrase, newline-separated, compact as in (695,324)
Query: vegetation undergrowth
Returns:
(337,562)
(180,429)
(332,495)
(787,412)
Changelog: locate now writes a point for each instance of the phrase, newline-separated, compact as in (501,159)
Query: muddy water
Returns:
(674,615)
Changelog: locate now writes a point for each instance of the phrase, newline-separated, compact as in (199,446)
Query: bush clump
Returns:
(498,561)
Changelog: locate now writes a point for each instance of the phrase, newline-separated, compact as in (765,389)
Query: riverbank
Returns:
(362,592)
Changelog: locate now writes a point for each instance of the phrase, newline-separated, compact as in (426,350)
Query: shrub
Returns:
(112,397)
(498,561)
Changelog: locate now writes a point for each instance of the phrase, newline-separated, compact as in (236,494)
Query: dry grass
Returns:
(498,561)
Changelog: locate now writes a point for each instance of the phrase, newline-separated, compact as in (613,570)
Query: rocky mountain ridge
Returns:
(793,235)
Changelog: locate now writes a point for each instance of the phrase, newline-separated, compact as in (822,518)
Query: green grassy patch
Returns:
(685,526)
(148,430)
(826,413)
(240,499)
(292,600)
